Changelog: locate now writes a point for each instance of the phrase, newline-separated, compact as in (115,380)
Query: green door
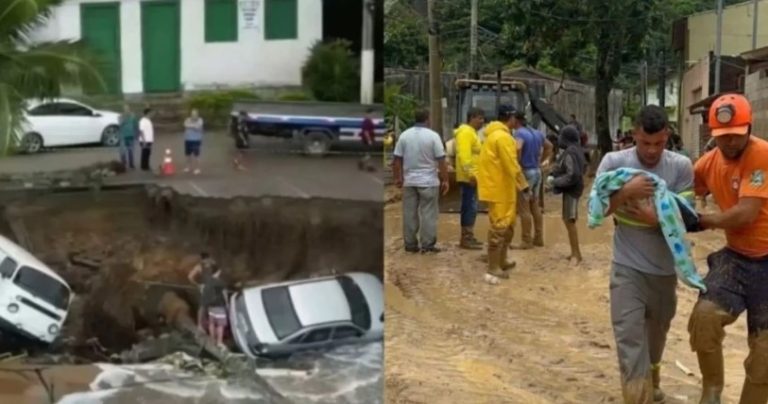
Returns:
(160,46)
(100,31)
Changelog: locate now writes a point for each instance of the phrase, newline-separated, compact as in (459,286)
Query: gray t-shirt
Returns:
(420,148)
(645,249)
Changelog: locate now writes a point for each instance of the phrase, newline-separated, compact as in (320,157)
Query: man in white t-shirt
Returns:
(146,138)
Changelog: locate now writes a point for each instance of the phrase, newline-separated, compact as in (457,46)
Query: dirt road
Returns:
(543,336)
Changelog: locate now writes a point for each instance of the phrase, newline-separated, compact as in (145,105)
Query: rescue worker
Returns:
(533,149)
(499,178)
(643,299)
(467,152)
(737,280)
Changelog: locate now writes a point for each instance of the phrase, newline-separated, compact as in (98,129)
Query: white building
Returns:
(158,46)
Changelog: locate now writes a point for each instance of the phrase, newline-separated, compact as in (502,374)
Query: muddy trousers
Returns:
(502,221)
(735,284)
(642,308)
(420,214)
(529,211)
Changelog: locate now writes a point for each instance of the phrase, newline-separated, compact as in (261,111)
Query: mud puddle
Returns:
(118,248)
(543,336)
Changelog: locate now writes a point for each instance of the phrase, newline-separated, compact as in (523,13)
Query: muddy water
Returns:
(543,336)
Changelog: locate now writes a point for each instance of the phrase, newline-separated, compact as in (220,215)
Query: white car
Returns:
(65,122)
(287,317)
(34,300)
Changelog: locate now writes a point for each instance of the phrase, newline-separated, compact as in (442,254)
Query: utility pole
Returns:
(754,24)
(435,76)
(718,44)
(367,69)
(644,82)
(662,91)
(473,39)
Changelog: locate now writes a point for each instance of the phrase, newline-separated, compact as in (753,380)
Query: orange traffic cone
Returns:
(168,167)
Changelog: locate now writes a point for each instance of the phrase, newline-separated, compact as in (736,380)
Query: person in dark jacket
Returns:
(567,178)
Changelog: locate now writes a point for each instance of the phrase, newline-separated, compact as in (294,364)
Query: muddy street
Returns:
(543,336)
(121,249)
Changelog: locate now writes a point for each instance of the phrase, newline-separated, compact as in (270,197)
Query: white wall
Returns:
(251,61)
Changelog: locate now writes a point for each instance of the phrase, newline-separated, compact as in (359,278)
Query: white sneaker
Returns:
(197,171)
(186,170)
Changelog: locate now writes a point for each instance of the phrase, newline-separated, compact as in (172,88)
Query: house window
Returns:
(220,20)
(280,19)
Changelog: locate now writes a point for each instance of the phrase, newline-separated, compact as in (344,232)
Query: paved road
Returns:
(273,168)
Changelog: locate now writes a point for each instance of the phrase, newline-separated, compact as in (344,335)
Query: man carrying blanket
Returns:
(643,280)
(737,281)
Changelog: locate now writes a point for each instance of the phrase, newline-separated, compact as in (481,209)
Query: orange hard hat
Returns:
(730,114)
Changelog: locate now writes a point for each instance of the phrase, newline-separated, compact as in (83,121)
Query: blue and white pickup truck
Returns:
(316,126)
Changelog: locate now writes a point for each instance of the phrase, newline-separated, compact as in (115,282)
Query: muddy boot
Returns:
(639,391)
(538,226)
(658,394)
(712,375)
(495,245)
(506,265)
(467,240)
(753,393)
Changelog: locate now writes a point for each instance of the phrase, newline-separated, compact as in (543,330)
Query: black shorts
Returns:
(570,208)
(192,148)
(737,283)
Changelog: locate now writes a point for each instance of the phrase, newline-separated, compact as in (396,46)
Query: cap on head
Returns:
(506,111)
(730,114)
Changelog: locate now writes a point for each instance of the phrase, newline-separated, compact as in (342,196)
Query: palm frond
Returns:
(19,17)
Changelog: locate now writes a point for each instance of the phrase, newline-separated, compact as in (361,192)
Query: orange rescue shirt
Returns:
(728,181)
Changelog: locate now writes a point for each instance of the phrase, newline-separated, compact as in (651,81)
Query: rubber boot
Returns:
(712,376)
(495,241)
(753,393)
(639,391)
(506,265)
(467,240)
(658,394)
(538,224)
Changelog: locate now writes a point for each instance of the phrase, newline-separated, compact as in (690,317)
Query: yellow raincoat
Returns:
(467,151)
(499,176)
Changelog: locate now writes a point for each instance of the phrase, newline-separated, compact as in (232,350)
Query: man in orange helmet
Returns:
(734,173)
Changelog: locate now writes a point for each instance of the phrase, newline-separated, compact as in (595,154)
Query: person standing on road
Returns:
(499,179)
(532,149)
(367,135)
(735,174)
(421,171)
(467,152)
(240,134)
(193,140)
(202,276)
(567,178)
(643,279)
(146,138)
(129,130)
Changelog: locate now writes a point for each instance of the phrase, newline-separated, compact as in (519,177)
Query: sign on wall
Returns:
(249,10)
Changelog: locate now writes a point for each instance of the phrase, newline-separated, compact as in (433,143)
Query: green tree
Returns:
(34,70)
(405,36)
(331,73)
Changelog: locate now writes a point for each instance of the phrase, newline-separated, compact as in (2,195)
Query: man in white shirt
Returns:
(146,138)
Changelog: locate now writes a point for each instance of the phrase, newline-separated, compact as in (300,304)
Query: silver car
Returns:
(287,317)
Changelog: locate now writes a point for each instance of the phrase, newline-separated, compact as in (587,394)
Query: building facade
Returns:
(166,46)
(737,30)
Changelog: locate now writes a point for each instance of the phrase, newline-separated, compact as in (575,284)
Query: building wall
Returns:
(251,61)
(695,87)
(737,30)
(756,90)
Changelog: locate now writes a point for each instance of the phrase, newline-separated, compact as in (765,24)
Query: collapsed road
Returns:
(126,253)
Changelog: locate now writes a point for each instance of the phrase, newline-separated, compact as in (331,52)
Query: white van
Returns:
(34,300)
